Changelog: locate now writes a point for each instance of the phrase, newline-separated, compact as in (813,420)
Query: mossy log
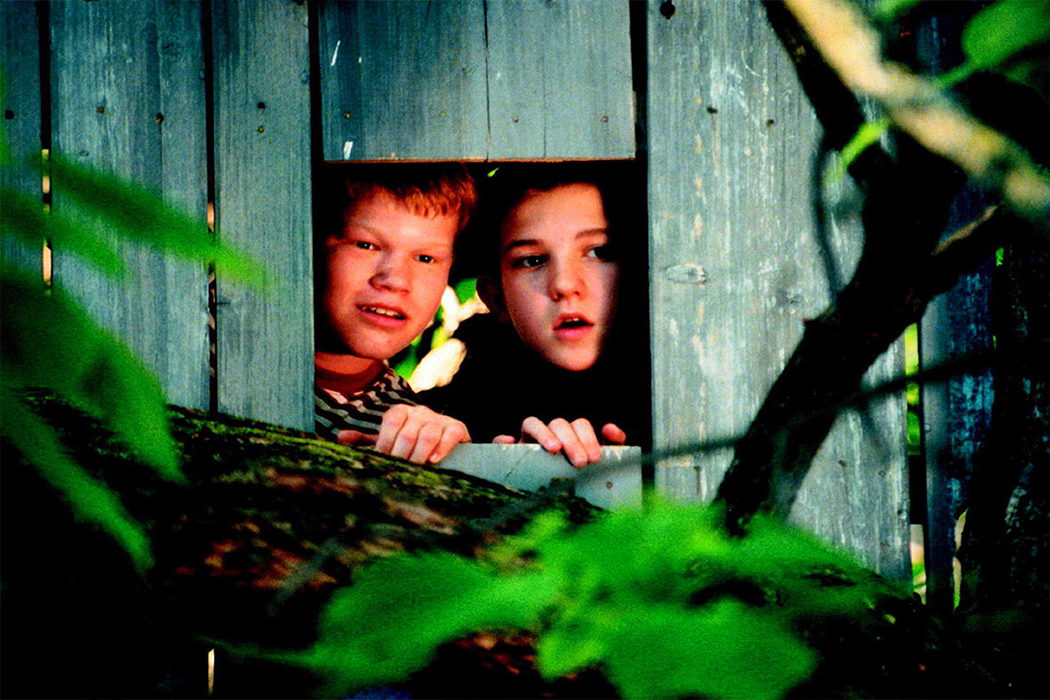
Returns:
(270,523)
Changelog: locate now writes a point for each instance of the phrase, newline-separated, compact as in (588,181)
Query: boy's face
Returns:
(558,286)
(386,273)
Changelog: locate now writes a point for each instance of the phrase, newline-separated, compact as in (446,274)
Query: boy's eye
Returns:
(527,261)
(424,258)
(365,245)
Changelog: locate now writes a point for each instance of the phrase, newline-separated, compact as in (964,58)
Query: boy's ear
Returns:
(490,293)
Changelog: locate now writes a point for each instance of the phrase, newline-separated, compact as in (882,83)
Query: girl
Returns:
(551,363)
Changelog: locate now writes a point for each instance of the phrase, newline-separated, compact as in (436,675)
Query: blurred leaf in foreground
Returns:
(134,212)
(665,602)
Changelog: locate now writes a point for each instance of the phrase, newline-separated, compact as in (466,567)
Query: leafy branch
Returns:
(921,107)
(50,342)
(718,616)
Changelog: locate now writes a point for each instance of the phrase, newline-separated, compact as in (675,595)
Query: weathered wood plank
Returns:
(127,97)
(736,267)
(614,482)
(262,175)
(20,73)
(403,79)
(956,421)
(560,79)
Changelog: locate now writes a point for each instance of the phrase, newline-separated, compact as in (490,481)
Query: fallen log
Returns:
(270,523)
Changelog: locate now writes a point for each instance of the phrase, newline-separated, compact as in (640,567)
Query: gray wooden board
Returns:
(262,178)
(116,66)
(614,482)
(20,73)
(403,79)
(956,419)
(559,79)
(735,268)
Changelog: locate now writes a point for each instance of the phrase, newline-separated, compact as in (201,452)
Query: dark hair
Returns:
(508,185)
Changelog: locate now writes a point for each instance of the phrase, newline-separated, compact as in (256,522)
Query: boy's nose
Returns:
(565,280)
(390,274)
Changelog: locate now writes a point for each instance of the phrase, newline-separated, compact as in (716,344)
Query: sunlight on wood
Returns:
(211,672)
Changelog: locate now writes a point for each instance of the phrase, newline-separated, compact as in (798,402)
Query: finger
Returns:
(426,441)
(535,429)
(613,434)
(570,442)
(355,437)
(453,434)
(393,421)
(589,441)
(504,440)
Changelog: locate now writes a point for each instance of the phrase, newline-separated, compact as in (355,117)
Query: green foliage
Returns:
(998,33)
(716,616)
(50,342)
(434,335)
(888,10)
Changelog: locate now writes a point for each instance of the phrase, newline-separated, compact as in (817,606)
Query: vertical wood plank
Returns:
(560,79)
(736,267)
(956,414)
(20,73)
(956,418)
(262,178)
(403,79)
(127,97)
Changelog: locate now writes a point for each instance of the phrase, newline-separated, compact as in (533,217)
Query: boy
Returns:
(382,266)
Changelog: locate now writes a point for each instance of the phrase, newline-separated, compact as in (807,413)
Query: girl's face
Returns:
(559,286)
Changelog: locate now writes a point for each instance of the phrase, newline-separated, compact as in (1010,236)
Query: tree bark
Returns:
(270,524)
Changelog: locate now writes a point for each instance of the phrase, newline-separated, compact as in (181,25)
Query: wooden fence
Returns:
(234,102)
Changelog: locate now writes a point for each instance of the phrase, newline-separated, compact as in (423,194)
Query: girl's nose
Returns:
(565,280)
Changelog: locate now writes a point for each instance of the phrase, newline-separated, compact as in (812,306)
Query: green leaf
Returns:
(89,499)
(867,135)
(399,610)
(50,342)
(889,10)
(24,218)
(724,651)
(465,289)
(138,213)
(1003,29)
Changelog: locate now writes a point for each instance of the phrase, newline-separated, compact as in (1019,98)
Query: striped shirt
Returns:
(361,410)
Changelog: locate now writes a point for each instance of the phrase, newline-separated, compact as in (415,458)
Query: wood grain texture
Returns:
(614,482)
(20,122)
(736,267)
(262,177)
(957,417)
(402,79)
(127,96)
(559,77)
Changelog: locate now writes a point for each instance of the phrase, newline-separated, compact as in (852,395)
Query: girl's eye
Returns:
(528,261)
(601,252)
(365,245)
(424,258)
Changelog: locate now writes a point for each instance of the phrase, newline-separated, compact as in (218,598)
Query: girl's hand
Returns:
(576,439)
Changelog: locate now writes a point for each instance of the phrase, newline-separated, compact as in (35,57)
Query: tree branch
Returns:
(920,107)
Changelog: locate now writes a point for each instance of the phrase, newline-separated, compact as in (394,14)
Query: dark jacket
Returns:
(502,381)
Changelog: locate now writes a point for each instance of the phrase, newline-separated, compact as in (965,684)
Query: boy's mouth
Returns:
(383,312)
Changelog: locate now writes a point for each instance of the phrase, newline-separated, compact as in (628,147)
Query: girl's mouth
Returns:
(569,326)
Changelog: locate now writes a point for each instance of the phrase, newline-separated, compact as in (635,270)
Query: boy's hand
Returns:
(577,439)
(414,433)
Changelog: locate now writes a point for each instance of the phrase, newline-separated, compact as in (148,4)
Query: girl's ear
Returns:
(490,293)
